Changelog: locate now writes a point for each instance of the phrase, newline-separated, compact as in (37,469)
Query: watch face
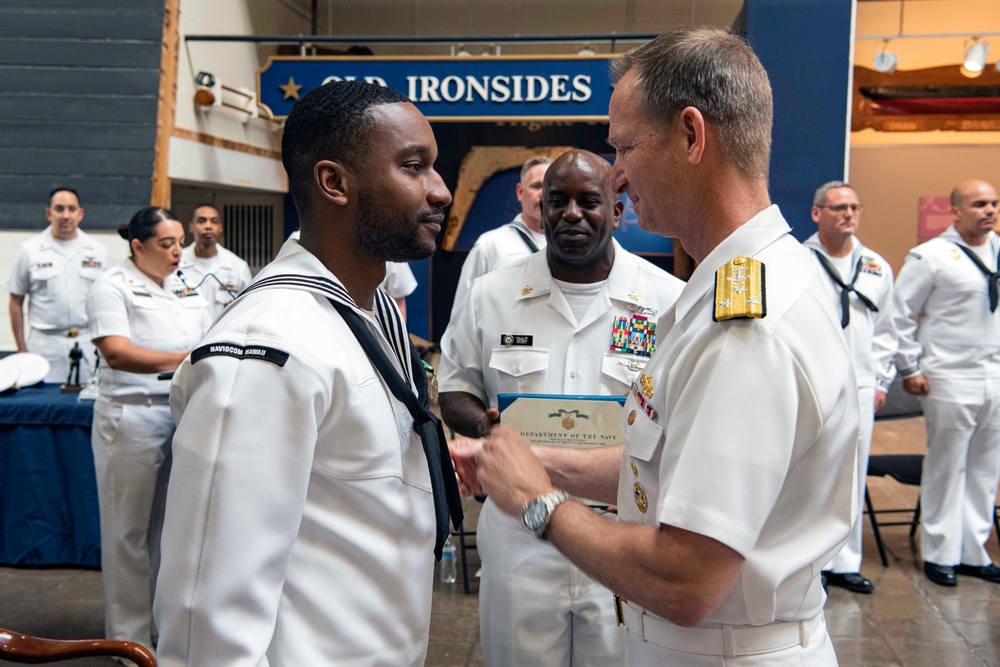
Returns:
(535,514)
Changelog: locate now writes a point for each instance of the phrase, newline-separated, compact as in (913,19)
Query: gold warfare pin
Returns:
(640,497)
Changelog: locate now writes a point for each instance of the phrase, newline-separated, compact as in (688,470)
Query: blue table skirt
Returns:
(49,514)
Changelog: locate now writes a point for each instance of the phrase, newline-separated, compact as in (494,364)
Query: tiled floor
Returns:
(908,621)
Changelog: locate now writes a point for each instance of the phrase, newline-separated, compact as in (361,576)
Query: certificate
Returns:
(552,420)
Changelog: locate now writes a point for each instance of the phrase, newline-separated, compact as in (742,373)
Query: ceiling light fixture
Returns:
(975,58)
(885,60)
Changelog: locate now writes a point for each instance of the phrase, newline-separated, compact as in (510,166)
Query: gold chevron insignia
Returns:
(739,290)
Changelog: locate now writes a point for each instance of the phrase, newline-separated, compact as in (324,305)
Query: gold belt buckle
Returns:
(619,616)
(73,332)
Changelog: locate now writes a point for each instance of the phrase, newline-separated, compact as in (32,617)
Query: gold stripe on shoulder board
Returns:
(739,290)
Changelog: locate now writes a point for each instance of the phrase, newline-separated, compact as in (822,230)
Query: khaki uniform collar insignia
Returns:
(739,290)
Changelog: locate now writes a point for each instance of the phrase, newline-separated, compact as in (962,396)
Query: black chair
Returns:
(905,469)
(466,543)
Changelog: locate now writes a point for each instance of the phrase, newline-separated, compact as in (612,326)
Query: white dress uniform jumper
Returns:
(872,340)
(949,330)
(301,509)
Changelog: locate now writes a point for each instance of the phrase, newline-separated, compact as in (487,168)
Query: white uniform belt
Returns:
(142,399)
(71,332)
(725,640)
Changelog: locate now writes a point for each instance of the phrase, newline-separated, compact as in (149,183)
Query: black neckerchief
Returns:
(845,288)
(447,499)
(992,277)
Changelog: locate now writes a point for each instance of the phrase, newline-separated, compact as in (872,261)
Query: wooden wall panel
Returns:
(79,86)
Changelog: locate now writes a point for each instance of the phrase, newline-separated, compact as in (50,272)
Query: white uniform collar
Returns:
(136,278)
(749,239)
(952,235)
(48,241)
(857,248)
(188,256)
(297,268)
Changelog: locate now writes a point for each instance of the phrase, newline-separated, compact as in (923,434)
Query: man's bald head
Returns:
(580,212)
(580,160)
(974,205)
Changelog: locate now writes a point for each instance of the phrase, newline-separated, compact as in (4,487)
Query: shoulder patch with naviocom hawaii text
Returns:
(274,355)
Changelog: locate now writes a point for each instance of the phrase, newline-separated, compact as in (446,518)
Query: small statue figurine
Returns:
(73,378)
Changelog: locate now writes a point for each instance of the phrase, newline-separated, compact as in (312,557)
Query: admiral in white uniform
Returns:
(144,321)
(581,320)
(205,265)
(949,356)
(736,481)
(519,238)
(859,285)
(301,508)
(54,270)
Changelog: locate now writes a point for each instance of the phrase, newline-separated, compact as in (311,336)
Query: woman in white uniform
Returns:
(144,321)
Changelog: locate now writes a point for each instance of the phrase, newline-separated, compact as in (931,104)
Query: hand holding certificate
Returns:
(549,420)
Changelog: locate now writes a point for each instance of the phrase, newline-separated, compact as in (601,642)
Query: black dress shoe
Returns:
(852,581)
(988,572)
(943,575)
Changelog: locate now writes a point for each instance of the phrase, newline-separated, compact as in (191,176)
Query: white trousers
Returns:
(56,348)
(535,607)
(132,457)
(961,470)
(818,653)
(849,558)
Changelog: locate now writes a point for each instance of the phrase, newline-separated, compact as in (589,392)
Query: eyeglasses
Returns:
(842,208)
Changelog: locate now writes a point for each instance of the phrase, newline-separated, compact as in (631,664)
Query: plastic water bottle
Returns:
(447,572)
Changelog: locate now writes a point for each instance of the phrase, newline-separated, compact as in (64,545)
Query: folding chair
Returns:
(25,649)
(905,469)
(466,543)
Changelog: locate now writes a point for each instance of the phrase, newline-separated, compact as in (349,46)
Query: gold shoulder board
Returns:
(739,290)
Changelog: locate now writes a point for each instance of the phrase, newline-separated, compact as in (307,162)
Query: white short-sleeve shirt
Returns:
(55,275)
(746,430)
(551,352)
(125,302)
(494,250)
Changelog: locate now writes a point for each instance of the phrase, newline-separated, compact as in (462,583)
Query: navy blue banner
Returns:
(456,89)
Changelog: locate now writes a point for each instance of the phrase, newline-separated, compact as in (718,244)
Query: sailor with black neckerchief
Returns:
(949,357)
(309,491)
(860,287)
(508,243)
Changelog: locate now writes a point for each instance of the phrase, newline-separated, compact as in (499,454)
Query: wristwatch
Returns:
(536,513)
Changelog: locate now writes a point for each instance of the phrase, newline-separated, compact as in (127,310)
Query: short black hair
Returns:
(204,204)
(60,189)
(330,123)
